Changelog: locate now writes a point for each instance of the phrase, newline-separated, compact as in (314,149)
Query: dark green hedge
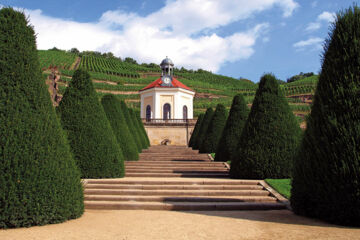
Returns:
(228,144)
(142,128)
(203,128)
(326,178)
(270,137)
(214,131)
(91,138)
(39,180)
(131,125)
(196,130)
(137,125)
(120,128)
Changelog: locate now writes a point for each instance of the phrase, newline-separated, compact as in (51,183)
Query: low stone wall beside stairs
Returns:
(172,133)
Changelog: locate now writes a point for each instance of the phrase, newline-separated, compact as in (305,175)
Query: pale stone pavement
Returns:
(169,225)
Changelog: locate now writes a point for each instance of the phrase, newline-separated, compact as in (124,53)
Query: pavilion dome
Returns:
(167,61)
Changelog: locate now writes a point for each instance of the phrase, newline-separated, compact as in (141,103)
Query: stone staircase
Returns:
(178,178)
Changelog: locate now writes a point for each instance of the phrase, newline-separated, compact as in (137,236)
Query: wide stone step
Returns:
(175,171)
(123,181)
(176,192)
(157,153)
(179,198)
(223,168)
(174,163)
(147,158)
(184,206)
(194,175)
(174,187)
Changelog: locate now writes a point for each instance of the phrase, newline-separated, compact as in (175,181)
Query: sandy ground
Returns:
(138,224)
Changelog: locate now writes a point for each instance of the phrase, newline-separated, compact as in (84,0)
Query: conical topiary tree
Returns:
(138,128)
(196,130)
(142,128)
(203,128)
(326,177)
(131,125)
(118,123)
(270,137)
(39,180)
(228,144)
(91,138)
(214,131)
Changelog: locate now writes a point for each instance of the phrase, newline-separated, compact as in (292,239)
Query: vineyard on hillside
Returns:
(56,58)
(125,79)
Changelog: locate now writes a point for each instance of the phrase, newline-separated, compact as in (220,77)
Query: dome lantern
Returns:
(167,67)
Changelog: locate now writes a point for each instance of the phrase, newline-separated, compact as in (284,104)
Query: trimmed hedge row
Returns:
(228,144)
(270,136)
(112,107)
(92,141)
(214,130)
(196,130)
(203,128)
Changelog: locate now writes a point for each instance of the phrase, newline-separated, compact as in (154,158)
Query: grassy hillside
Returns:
(125,78)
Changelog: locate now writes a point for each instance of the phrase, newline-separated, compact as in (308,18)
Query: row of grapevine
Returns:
(301,89)
(104,65)
(52,58)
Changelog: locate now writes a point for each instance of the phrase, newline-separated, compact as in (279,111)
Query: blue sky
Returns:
(238,38)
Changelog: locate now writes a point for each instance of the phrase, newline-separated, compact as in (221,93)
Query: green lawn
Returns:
(283,186)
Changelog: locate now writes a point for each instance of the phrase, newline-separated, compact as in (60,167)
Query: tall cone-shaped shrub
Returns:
(228,144)
(270,137)
(91,138)
(138,128)
(326,177)
(214,131)
(196,130)
(119,126)
(39,180)
(203,128)
(131,126)
(142,128)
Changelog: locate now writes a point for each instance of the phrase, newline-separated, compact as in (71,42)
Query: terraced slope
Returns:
(177,178)
(125,79)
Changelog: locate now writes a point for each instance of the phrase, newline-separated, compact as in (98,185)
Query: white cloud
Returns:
(326,16)
(323,17)
(169,32)
(313,43)
(313,26)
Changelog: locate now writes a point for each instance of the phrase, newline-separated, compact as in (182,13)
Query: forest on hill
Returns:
(125,77)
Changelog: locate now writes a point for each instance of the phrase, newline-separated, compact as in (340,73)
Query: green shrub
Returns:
(142,128)
(131,126)
(119,126)
(326,178)
(270,136)
(196,130)
(141,135)
(203,128)
(91,138)
(39,180)
(228,144)
(214,131)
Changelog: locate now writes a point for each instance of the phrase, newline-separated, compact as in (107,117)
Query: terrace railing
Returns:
(169,121)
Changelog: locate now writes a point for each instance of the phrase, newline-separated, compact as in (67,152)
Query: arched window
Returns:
(148,112)
(167,111)
(185,112)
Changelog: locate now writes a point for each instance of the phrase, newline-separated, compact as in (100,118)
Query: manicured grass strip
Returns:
(282,186)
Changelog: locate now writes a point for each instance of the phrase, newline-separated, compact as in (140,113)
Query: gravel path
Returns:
(147,225)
